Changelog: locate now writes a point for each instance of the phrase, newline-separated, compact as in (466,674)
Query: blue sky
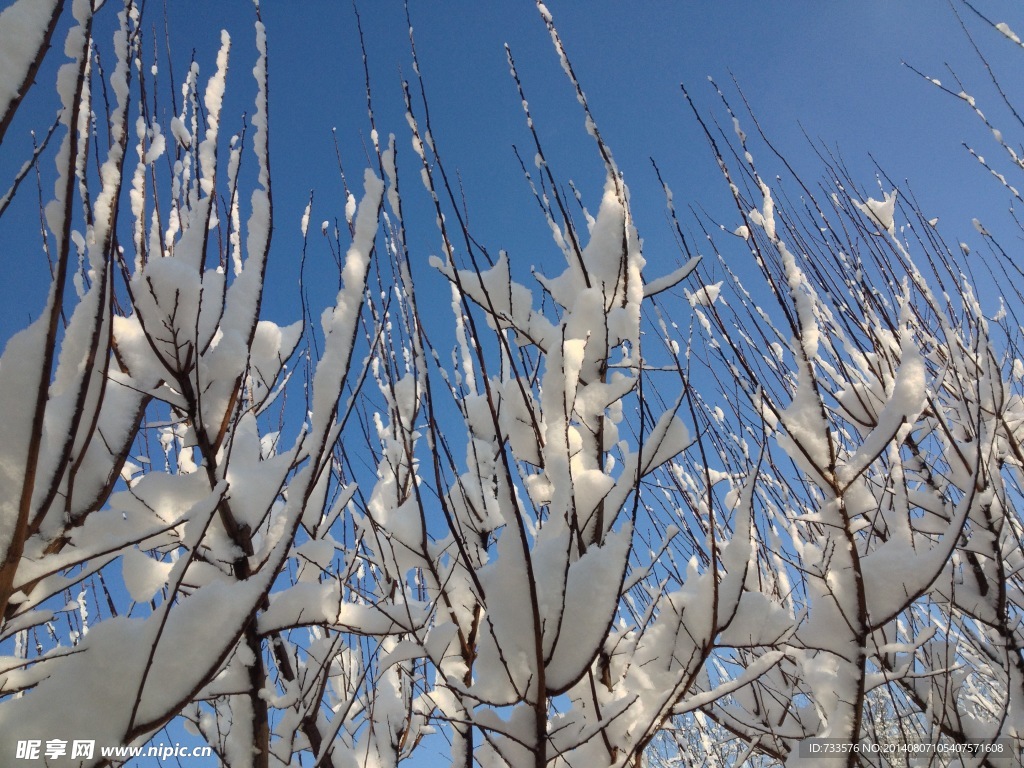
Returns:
(832,70)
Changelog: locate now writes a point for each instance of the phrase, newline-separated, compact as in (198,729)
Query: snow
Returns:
(509,303)
(20,373)
(339,324)
(318,603)
(143,575)
(23,27)
(658,285)
(86,692)
(706,296)
(180,133)
(505,655)
(765,218)
(881,212)
(1004,28)
(213,99)
(901,410)
(350,208)
(583,613)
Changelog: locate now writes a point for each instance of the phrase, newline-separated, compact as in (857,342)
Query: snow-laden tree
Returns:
(175,357)
(585,537)
(877,415)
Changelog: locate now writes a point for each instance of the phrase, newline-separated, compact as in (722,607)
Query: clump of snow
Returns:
(143,575)
(881,212)
(706,296)
(1003,27)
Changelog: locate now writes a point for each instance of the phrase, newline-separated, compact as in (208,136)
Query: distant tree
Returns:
(630,522)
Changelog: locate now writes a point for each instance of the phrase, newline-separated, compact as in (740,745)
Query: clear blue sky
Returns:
(833,69)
